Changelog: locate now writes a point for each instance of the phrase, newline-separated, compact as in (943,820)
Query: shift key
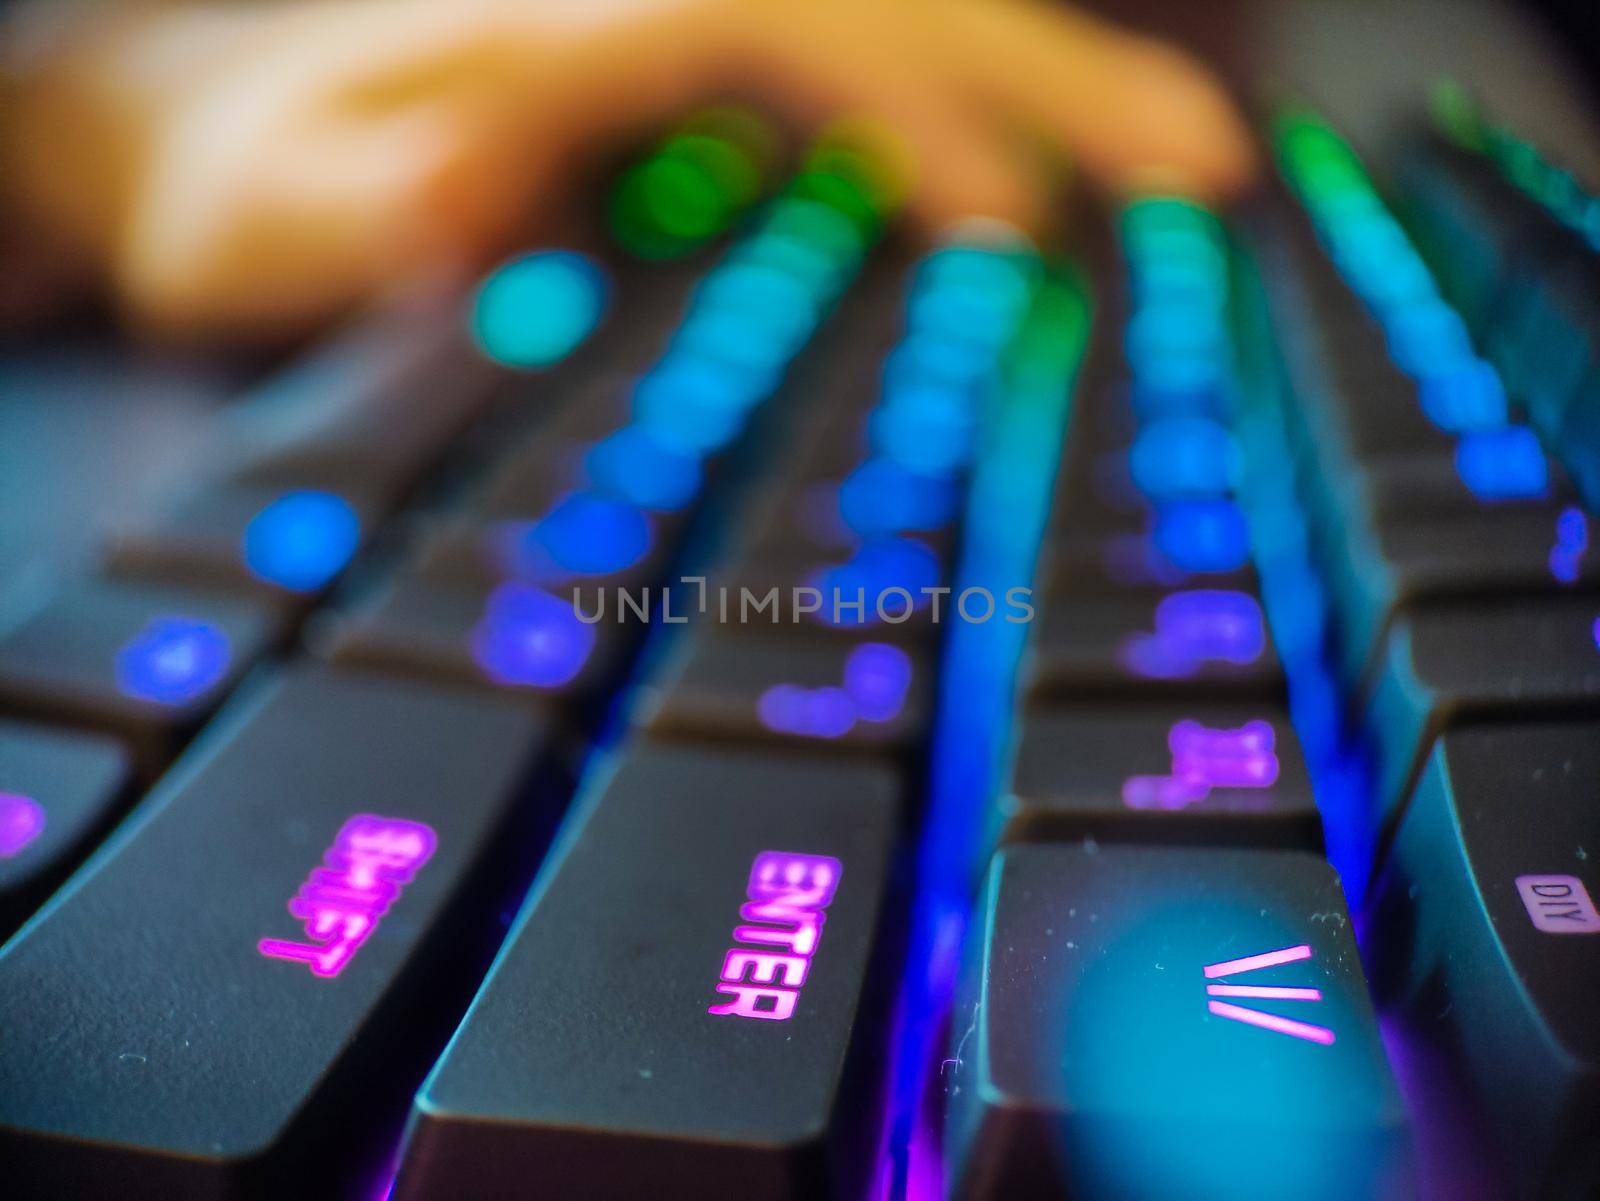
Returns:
(235,997)
(683,1011)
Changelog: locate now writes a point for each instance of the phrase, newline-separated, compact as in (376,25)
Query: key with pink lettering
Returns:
(1155,1022)
(788,893)
(372,858)
(686,1005)
(1490,897)
(1217,774)
(286,924)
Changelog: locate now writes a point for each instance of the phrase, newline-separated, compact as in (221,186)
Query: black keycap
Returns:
(1128,565)
(1577,433)
(1488,942)
(806,517)
(1206,643)
(480,554)
(58,790)
(896,589)
(1400,489)
(516,637)
(277,545)
(1450,665)
(530,474)
(143,663)
(796,690)
(369,413)
(608,1057)
(1378,574)
(231,1000)
(1210,774)
(1468,226)
(1157,1023)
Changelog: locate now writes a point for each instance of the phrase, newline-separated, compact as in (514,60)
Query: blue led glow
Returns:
(808,712)
(587,533)
(535,310)
(1202,535)
(1184,456)
(1464,395)
(877,676)
(739,339)
(773,297)
(1200,395)
(694,404)
(172,660)
(883,496)
(961,314)
(1426,335)
(529,638)
(637,466)
(928,430)
(1199,375)
(1571,544)
(301,540)
(1503,464)
(1004,280)
(925,361)
(873,569)
(799,259)
(1170,328)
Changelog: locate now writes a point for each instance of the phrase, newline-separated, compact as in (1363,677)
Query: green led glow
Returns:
(843,195)
(820,227)
(695,185)
(667,206)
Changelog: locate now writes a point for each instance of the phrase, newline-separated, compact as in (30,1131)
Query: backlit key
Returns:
(1229,775)
(146,664)
(1145,1022)
(801,691)
(1487,940)
(273,544)
(303,906)
(683,1010)
(1201,642)
(57,790)
(1453,665)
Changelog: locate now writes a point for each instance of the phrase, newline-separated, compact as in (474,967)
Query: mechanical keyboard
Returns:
(746,712)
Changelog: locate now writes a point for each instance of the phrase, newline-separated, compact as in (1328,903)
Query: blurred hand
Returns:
(258,168)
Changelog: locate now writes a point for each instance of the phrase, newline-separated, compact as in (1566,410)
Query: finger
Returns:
(814,66)
(1135,114)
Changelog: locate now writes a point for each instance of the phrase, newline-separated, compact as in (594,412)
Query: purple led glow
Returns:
(529,638)
(809,712)
(1254,963)
(877,678)
(372,858)
(1267,992)
(1204,759)
(787,894)
(1271,1021)
(1572,541)
(1253,1017)
(21,821)
(1196,627)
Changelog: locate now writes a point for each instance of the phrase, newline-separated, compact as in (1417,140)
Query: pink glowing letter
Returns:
(787,894)
(340,904)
